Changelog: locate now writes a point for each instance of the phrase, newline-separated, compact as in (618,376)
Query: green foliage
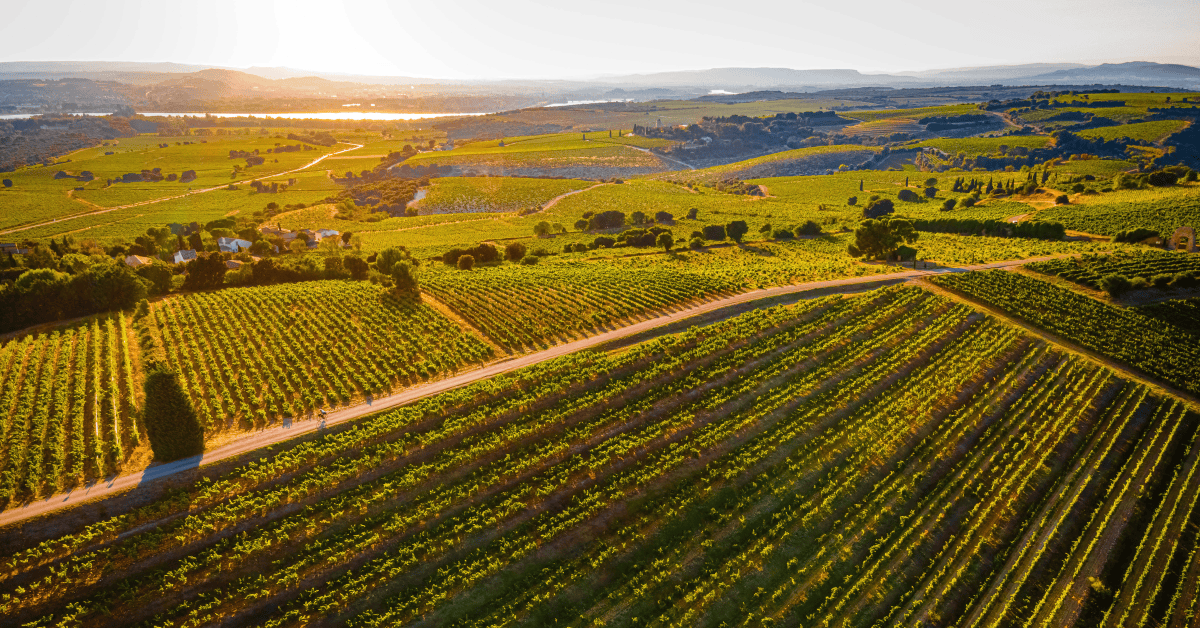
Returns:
(170,419)
(466,262)
(879,239)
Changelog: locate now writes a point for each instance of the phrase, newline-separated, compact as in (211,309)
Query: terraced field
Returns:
(887,459)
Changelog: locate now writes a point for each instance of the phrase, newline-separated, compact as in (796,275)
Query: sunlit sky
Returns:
(495,39)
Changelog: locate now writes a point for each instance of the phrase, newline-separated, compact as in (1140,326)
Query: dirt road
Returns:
(293,429)
(171,198)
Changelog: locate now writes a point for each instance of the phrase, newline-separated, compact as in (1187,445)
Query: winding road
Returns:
(294,428)
(171,198)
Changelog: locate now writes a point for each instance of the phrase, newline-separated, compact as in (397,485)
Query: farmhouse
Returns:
(232,245)
(185,256)
(137,261)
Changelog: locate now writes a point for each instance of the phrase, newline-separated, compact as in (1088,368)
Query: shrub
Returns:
(581,225)
(580,247)
(1115,285)
(404,277)
(1162,280)
(852,201)
(693,212)
(930,182)
(169,417)
(604,241)
(1062,199)
(1135,235)
(696,243)
(664,217)
(782,234)
(1162,178)
(931,192)
(530,260)
(908,196)
(466,262)
(969,201)
(949,204)
(514,252)
(143,308)
(541,229)
(809,228)
(878,208)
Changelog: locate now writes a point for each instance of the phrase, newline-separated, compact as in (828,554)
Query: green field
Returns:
(1149,131)
(451,195)
(910,114)
(858,460)
(977,146)
(1160,209)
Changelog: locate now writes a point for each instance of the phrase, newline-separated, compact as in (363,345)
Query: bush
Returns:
(696,243)
(610,219)
(404,277)
(466,262)
(1115,285)
(693,212)
(170,419)
(852,201)
(809,228)
(949,204)
(581,225)
(969,201)
(930,192)
(514,252)
(1162,280)
(908,196)
(664,217)
(1162,178)
(143,308)
(1185,279)
(1135,235)
(580,247)
(483,253)
(714,232)
(930,182)
(782,234)
(530,260)
(603,241)
(1062,199)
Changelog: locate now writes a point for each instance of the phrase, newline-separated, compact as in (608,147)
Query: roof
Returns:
(328,233)
(137,261)
(227,248)
(233,264)
(184,256)
(233,243)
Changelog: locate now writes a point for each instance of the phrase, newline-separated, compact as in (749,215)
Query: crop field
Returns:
(977,146)
(259,354)
(556,150)
(850,154)
(1152,346)
(1181,313)
(913,114)
(69,402)
(1148,131)
(887,459)
(522,306)
(1160,209)
(1144,263)
(1117,114)
(1101,168)
(451,195)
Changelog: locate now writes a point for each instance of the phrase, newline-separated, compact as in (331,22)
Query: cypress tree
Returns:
(170,419)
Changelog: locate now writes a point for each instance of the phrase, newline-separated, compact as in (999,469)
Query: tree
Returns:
(170,419)
(696,243)
(931,192)
(8,183)
(541,229)
(737,229)
(666,241)
(346,237)
(692,213)
(466,262)
(514,252)
(158,275)
(405,277)
(878,239)
(931,182)
(1062,199)
(661,216)
(195,241)
(581,225)
(907,196)
(637,218)
(949,204)
(809,228)
(852,201)
(714,232)
(143,308)
(358,267)
(387,258)
(878,208)
(603,242)
(207,271)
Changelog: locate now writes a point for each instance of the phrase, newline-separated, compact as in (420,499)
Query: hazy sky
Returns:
(568,39)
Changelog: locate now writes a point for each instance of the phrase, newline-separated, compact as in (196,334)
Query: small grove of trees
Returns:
(482,254)
(611,219)
(514,252)
(170,419)
(879,239)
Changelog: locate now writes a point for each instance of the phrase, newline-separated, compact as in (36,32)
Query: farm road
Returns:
(292,429)
(171,198)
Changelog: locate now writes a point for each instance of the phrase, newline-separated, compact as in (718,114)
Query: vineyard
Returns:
(1160,209)
(522,307)
(259,354)
(1182,313)
(1145,263)
(1155,347)
(69,401)
(888,459)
